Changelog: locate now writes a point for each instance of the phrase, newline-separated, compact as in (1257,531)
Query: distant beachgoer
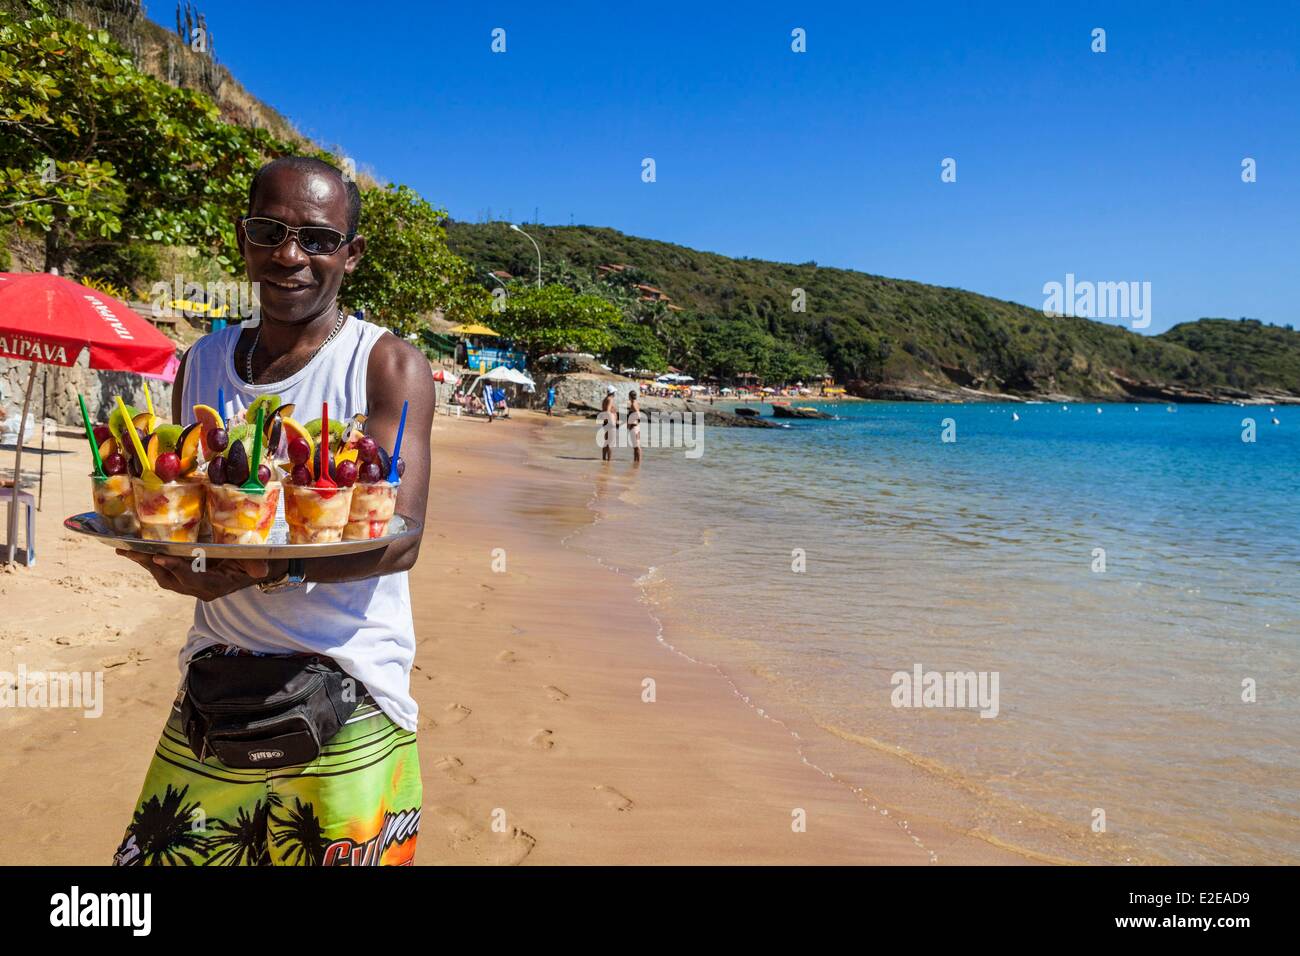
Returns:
(609,406)
(634,426)
(550,400)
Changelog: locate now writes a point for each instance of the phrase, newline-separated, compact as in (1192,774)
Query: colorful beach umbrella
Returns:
(48,319)
(471,330)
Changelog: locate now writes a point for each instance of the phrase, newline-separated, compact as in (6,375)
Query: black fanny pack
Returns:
(265,712)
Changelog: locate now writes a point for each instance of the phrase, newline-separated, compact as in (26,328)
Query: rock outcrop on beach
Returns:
(900,392)
(1159,392)
(797,411)
(716,417)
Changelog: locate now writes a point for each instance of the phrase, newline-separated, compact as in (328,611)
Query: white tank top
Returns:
(364,625)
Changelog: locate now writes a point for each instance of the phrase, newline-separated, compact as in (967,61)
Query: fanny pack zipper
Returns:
(314,685)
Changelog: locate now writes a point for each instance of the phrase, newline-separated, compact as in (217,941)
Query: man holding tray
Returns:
(293,739)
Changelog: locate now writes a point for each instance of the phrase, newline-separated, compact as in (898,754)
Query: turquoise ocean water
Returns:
(814,563)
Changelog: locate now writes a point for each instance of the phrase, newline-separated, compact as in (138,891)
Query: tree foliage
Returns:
(97,151)
(99,156)
(556,318)
(407,269)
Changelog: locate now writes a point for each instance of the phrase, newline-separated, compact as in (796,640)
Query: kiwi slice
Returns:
(168,437)
(312,428)
(270,403)
(117,427)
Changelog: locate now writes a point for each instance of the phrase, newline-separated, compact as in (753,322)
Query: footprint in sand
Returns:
(555,693)
(427,723)
(542,740)
(507,657)
(613,799)
(468,842)
(455,770)
(456,713)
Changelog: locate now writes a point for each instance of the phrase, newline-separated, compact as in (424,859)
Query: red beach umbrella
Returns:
(49,319)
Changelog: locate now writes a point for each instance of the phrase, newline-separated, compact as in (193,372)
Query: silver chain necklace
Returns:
(257,337)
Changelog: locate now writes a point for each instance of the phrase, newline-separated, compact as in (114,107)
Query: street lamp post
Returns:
(535,246)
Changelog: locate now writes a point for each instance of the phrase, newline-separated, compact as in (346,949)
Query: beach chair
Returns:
(24,500)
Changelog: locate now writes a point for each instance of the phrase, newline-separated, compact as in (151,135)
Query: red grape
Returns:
(298,450)
(370,472)
(346,473)
(401,465)
(368,449)
(168,466)
(263,473)
(300,475)
(218,439)
(114,464)
(102,434)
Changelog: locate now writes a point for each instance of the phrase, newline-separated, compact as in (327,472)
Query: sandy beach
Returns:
(536,741)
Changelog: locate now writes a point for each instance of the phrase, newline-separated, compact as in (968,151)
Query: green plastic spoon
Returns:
(254,484)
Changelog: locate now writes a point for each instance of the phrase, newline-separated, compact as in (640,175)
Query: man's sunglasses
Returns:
(313,240)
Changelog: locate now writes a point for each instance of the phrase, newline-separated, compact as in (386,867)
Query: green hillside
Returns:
(880,329)
(1250,353)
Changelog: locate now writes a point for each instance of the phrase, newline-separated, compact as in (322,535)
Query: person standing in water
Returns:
(634,426)
(609,408)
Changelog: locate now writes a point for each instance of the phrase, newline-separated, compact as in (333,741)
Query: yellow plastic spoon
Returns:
(147,474)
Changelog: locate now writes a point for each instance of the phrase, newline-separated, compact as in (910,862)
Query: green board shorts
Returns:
(357,804)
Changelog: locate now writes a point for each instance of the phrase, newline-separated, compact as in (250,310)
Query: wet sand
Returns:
(539,742)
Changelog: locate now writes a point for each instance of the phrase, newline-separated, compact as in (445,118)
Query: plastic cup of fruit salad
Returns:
(316,515)
(242,517)
(169,511)
(373,503)
(115,503)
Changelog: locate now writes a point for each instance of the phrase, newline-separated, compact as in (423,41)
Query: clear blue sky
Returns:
(1117,166)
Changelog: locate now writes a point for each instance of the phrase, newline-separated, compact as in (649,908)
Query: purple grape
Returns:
(370,473)
(301,475)
(218,439)
(133,467)
(264,473)
(237,465)
(382,460)
(366,448)
(401,466)
(114,464)
(217,470)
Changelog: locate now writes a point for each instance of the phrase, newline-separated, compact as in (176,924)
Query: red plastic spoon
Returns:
(323,480)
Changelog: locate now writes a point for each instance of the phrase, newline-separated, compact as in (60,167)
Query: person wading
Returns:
(634,426)
(609,406)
